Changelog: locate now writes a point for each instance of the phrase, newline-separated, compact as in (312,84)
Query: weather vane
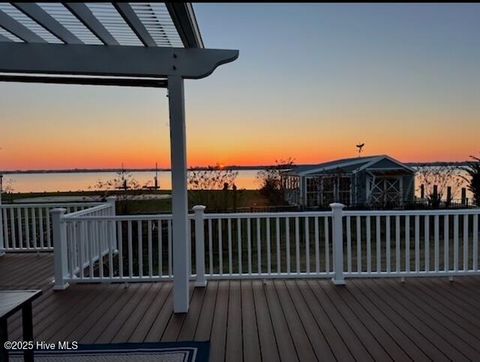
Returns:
(360,148)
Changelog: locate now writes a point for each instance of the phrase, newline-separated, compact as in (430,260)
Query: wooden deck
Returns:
(306,320)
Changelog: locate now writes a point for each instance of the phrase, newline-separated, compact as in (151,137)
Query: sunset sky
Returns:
(311,81)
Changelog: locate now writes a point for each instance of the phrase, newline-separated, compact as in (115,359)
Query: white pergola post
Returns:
(178,151)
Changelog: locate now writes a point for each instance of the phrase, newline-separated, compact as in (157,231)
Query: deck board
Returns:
(254,320)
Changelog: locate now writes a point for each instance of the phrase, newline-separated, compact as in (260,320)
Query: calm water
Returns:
(51,182)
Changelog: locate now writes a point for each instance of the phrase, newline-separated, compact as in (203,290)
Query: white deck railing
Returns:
(333,244)
(28,227)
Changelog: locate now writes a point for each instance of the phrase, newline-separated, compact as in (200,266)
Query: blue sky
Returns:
(311,81)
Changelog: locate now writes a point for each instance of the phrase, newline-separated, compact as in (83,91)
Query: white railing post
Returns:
(200,246)
(111,200)
(59,229)
(337,233)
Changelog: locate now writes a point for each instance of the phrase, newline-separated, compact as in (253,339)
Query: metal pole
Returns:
(178,154)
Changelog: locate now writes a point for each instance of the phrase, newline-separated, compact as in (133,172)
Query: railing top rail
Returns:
(411,212)
(122,217)
(87,211)
(49,204)
(247,215)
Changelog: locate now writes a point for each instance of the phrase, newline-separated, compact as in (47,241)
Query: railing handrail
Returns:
(50,204)
(72,217)
(411,212)
(246,215)
(75,214)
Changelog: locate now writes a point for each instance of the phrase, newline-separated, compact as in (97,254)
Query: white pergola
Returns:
(117,44)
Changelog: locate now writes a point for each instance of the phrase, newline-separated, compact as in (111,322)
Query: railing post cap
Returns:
(337,205)
(111,198)
(58,210)
(199,208)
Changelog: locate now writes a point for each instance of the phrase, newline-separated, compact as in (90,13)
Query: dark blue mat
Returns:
(171,351)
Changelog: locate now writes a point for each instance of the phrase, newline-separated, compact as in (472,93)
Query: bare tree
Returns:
(270,181)
(437,179)
(213,187)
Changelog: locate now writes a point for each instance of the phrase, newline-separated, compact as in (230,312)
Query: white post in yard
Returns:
(200,246)
(59,229)
(178,154)
(112,240)
(337,232)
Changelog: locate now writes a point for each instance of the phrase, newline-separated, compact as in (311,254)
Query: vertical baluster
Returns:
(297,244)
(111,236)
(81,251)
(70,248)
(397,243)
(230,266)
(239,242)
(465,242)
(277,229)
(34,229)
(169,235)
(349,245)
(475,243)
(436,241)
(27,228)
(49,229)
(287,248)
(130,249)
(269,250)
(407,243)
(90,250)
(446,236)
(12,228)
(427,242)
(160,247)
(307,245)
(220,243)
(150,250)
(417,243)
(140,247)
(100,225)
(369,245)
(327,245)
(40,226)
(388,246)
(455,242)
(210,246)
(378,242)
(20,231)
(5,227)
(317,245)
(249,246)
(259,247)
(359,245)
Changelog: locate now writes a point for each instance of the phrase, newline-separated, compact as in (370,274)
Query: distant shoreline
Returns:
(239,168)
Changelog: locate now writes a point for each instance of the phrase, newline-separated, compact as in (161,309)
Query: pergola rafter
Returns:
(92,44)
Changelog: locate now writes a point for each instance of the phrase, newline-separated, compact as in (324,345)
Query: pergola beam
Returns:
(4,38)
(19,30)
(123,61)
(131,18)
(84,14)
(35,12)
(122,82)
(185,22)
